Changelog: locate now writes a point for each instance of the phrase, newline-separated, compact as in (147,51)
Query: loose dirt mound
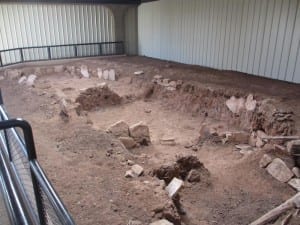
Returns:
(182,168)
(97,97)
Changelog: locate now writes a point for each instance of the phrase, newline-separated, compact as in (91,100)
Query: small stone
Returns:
(259,143)
(279,170)
(129,174)
(237,137)
(194,176)
(157,77)
(295,183)
(22,80)
(265,161)
(99,73)
(252,139)
(296,171)
(244,147)
(138,72)
(261,134)
(119,129)
(167,141)
(58,69)
(171,89)
(102,85)
(165,82)
(162,222)
(130,163)
(250,103)
(245,152)
(84,71)
(174,186)
(105,75)
(134,222)
(148,110)
(137,170)
(173,84)
(1,77)
(30,80)
(128,142)
(112,75)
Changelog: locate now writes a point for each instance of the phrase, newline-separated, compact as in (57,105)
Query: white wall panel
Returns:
(260,37)
(26,25)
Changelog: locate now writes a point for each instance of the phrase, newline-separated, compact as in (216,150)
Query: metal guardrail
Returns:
(29,197)
(51,52)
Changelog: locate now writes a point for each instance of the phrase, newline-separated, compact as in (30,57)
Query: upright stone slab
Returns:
(99,73)
(30,80)
(140,133)
(105,74)
(84,71)
(174,186)
(280,171)
(162,222)
(112,75)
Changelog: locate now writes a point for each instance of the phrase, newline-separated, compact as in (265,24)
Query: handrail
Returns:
(22,209)
(16,55)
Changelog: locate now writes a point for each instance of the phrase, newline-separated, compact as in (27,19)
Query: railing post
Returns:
(21,55)
(75,50)
(1,99)
(100,49)
(49,53)
(1,60)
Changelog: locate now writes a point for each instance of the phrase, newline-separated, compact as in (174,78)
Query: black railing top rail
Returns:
(63,45)
(51,52)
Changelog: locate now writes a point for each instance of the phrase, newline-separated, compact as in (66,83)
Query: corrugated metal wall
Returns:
(131,31)
(26,25)
(260,37)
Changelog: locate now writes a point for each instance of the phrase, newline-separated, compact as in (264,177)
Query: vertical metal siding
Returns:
(260,37)
(131,31)
(26,25)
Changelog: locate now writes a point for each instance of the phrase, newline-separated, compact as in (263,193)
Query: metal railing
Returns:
(42,53)
(29,197)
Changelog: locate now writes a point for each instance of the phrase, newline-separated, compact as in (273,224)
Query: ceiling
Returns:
(83,1)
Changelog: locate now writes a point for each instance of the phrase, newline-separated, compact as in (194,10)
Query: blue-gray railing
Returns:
(51,52)
(29,197)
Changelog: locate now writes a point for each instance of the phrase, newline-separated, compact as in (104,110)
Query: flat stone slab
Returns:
(174,186)
(265,161)
(295,183)
(162,222)
(137,170)
(279,170)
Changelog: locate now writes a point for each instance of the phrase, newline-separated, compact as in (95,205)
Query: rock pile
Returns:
(277,168)
(131,136)
(167,83)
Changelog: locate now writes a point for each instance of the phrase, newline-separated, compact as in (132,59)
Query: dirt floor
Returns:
(87,165)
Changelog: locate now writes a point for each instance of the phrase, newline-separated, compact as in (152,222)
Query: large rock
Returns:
(119,129)
(162,222)
(30,80)
(295,183)
(22,80)
(137,170)
(280,171)
(250,103)
(235,105)
(128,142)
(84,71)
(140,133)
(265,161)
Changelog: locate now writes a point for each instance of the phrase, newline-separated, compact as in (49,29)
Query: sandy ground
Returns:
(92,183)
